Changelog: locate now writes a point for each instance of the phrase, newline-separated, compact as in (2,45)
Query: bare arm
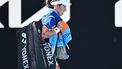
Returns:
(46,33)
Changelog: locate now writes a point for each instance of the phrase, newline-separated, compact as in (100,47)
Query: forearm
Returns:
(48,34)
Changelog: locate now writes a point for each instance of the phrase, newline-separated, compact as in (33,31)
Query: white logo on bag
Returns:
(24,51)
(48,54)
(15,14)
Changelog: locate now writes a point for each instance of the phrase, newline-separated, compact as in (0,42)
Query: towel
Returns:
(64,37)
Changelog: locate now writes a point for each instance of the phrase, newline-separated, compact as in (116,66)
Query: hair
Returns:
(47,2)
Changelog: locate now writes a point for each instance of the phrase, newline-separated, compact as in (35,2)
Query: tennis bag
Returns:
(33,52)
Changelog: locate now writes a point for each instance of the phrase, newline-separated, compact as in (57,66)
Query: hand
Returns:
(59,25)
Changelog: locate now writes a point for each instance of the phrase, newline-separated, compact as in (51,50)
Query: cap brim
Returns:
(55,3)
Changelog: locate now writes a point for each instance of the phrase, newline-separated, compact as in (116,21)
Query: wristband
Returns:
(56,30)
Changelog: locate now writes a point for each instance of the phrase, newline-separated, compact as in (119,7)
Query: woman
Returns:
(51,25)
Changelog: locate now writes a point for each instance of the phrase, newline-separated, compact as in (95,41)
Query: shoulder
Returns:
(48,18)
(49,21)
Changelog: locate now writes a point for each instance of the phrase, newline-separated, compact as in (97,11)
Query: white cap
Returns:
(64,2)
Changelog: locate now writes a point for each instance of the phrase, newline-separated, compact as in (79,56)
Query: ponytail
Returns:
(47,2)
